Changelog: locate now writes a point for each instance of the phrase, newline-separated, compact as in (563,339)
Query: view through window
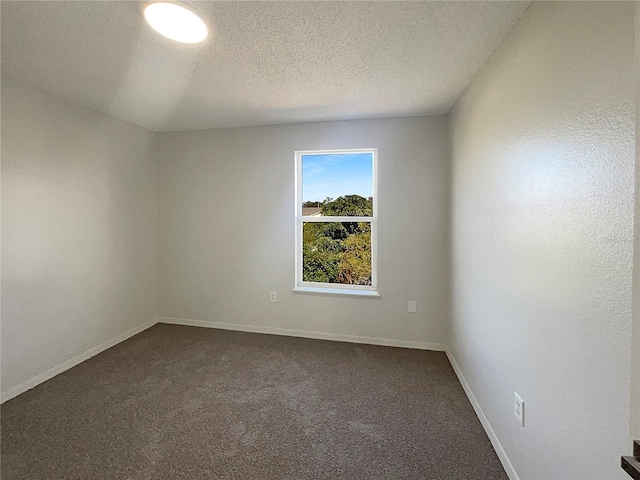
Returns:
(336,218)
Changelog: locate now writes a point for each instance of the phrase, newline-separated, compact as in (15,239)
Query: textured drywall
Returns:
(266,62)
(227,228)
(542,230)
(635,346)
(79,231)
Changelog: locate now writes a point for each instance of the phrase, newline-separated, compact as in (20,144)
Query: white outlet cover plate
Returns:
(518,408)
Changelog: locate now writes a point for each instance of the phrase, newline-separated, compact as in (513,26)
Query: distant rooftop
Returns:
(311,211)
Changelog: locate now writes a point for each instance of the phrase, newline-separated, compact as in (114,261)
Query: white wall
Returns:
(542,225)
(227,228)
(635,346)
(79,231)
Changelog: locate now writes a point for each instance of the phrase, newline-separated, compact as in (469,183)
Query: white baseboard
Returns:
(305,334)
(52,372)
(497,446)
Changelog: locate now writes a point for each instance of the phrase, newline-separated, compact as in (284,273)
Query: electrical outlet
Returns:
(518,408)
(272,296)
(412,306)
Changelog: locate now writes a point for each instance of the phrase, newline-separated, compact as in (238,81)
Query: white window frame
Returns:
(336,288)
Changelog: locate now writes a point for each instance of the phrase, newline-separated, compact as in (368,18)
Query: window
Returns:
(336,221)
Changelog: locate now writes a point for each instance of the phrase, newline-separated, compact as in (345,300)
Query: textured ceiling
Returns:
(266,62)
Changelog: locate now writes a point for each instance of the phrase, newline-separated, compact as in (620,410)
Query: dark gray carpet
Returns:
(188,403)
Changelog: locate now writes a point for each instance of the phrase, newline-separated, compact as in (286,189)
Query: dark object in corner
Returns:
(631,465)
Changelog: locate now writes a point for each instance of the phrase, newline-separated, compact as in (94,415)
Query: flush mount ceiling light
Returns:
(175,21)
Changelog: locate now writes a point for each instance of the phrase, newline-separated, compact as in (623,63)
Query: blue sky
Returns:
(336,175)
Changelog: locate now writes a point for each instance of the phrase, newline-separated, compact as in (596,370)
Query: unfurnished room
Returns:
(320,240)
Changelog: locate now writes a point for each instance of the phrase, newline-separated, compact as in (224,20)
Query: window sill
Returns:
(337,291)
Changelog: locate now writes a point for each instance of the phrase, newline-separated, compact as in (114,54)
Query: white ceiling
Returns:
(266,63)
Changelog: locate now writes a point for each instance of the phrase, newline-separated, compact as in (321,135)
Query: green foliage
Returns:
(333,230)
(321,264)
(339,252)
(355,261)
(348,206)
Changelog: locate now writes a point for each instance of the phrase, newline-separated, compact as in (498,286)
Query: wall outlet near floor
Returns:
(518,408)
(272,296)
(412,306)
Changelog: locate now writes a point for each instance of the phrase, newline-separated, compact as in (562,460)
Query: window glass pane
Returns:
(334,252)
(339,184)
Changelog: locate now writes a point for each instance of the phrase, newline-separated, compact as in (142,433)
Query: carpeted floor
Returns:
(191,403)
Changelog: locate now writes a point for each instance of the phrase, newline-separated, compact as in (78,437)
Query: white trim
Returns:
(331,219)
(497,446)
(337,337)
(52,372)
(335,286)
(324,290)
(336,150)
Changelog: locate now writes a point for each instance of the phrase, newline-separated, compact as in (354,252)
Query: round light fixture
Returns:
(175,21)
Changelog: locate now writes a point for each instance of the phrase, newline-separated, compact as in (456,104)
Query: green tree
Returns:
(339,252)
(313,232)
(348,206)
(321,250)
(355,260)
(321,260)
